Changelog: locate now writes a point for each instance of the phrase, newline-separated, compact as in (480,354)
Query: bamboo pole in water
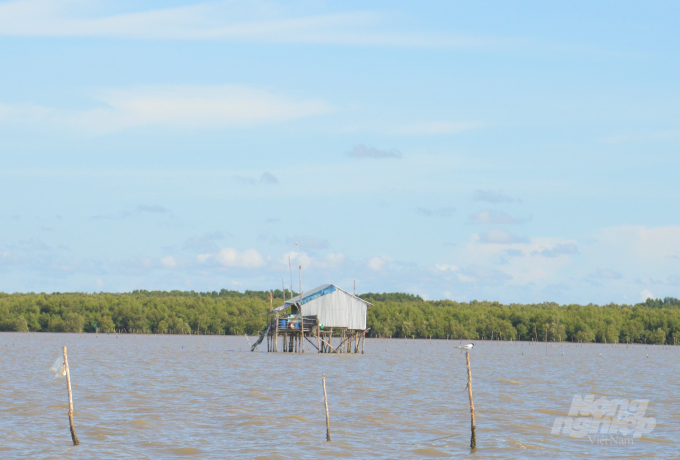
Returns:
(70,401)
(325,401)
(473,439)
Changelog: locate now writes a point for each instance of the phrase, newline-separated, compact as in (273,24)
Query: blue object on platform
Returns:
(282,323)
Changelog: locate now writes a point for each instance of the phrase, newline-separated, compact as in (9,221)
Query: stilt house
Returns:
(314,318)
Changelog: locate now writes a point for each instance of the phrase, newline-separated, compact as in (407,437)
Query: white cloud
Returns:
(179,106)
(249,258)
(500,236)
(201,258)
(556,250)
(645,254)
(197,107)
(473,274)
(236,21)
(296,259)
(650,244)
(519,267)
(168,262)
(446,267)
(494,217)
(645,294)
(362,151)
(376,264)
(230,257)
(331,261)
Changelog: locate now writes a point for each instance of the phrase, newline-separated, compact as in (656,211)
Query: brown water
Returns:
(155,396)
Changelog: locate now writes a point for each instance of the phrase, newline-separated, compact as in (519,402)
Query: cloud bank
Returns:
(177,106)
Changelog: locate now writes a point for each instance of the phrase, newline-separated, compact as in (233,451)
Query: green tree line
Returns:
(399,315)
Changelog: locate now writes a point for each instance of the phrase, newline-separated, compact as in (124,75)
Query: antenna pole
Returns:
(290,267)
(302,318)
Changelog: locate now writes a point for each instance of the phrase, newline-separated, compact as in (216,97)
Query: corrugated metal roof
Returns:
(315,293)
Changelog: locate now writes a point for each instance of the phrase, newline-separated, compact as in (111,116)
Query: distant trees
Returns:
(653,322)
(393,315)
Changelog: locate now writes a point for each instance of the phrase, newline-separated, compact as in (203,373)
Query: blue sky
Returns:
(512,151)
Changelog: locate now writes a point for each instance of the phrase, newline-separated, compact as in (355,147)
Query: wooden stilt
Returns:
(318,332)
(302,333)
(70,401)
(276,333)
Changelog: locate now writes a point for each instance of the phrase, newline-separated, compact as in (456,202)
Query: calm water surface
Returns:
(155,396)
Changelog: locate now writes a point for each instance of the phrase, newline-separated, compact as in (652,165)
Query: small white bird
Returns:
(467,347)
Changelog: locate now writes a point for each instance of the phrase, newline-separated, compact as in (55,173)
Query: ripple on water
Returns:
(430,452)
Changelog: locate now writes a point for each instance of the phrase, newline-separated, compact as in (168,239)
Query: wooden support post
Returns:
(302,331)
(325,401)
(363,343)
(70,401)
(276,333)
(473,439)
(330,346)
(312,343)
(318,332)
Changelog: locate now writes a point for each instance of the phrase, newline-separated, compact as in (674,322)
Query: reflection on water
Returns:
(154,396)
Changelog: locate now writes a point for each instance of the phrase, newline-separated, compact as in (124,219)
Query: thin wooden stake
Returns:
(325,401)
(473,439)
(70,401)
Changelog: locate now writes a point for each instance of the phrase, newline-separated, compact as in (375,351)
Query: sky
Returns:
(513,151)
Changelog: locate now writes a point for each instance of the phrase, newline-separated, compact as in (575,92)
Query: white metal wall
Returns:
(337,309)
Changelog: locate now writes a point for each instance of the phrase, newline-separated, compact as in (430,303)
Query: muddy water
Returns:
(147,396)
